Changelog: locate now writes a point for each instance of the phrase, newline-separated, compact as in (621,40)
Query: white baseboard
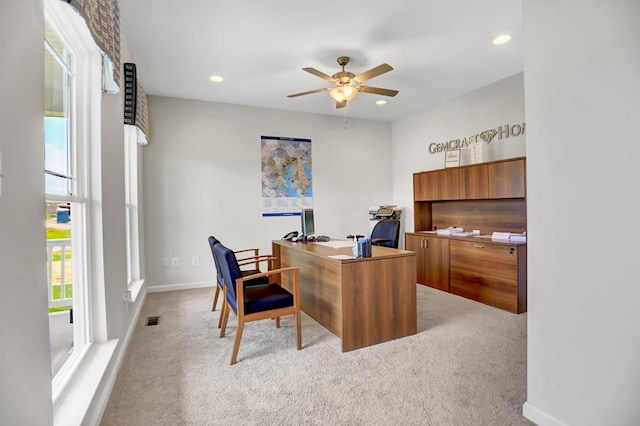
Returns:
(539,417)
(183,286)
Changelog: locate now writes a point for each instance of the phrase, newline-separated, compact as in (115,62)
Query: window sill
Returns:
(74,399)
(134,287)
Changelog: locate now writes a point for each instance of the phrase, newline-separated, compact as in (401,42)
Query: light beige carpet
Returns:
(465,366)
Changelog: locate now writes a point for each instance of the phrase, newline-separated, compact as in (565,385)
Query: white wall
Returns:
(25,388)
(25,368)
(486,108)
(202,177)
(582,85)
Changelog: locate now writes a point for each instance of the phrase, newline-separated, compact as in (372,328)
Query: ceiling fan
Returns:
(347,84)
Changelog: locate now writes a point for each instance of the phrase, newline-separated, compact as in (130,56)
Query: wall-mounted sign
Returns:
(502,132)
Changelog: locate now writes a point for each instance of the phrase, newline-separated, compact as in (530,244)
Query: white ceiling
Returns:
(438,49)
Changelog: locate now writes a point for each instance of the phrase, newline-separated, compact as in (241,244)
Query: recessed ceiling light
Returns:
(216,78)
(381,102)
(502,39)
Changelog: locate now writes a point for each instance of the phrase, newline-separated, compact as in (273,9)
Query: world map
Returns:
(286,175)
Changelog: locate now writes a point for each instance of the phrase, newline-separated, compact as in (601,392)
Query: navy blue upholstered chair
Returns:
(253,303)
(386,233)
(252,261)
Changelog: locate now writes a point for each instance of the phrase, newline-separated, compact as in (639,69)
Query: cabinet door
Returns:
(416,243)
(474,182)
(437,263)
(436,185)
(507,179)
(420,183)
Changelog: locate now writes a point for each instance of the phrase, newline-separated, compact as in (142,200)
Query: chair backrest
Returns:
(212,242)
(388,228)
(229,266)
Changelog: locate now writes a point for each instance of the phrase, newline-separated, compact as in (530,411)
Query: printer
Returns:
(384,212)
(378,213)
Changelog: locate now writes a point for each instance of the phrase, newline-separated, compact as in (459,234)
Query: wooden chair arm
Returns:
(266,274)
(256,260)
(253,259)
(255,251)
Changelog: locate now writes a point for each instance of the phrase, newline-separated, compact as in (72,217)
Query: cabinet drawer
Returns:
(485,258)
(495,291)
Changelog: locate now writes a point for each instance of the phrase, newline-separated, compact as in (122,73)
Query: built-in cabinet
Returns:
(432,260)
(488,197)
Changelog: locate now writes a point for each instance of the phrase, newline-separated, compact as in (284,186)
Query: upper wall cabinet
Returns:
(498,179)
(474,182)
(436,185)
(507,179)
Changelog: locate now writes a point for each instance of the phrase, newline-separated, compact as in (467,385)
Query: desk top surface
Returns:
(318,249)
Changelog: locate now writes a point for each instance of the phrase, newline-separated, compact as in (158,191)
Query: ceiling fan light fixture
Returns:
(343,93)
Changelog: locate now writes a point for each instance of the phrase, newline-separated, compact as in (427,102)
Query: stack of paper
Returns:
(453,230)
(501,235)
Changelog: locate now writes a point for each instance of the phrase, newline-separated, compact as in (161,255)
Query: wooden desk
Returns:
(362,301)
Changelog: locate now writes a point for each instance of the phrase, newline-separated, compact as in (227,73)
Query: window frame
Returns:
(85,133)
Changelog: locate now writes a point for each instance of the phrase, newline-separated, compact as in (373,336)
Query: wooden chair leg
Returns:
(298,330)
(223,309)
(215,299)
(227,308)
(277,322)
(236,343)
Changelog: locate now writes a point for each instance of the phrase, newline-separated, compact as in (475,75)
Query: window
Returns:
(72,137)
(134,273)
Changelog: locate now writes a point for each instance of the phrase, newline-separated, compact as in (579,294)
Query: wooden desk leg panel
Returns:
(379,301)
(320,295)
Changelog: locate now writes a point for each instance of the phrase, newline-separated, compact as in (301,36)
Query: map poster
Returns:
(286,175)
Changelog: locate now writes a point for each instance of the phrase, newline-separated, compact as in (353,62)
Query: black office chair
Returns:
(386,233)
(251,260)
(253,303)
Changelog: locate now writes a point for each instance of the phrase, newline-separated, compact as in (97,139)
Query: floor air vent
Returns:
(152,321)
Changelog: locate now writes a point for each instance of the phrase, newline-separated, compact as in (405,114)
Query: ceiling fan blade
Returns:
(319,74)
(308,93)
(377,91)
(373,72)
(341,105)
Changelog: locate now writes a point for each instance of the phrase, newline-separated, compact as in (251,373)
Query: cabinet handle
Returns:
(478,245)
(426,244)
